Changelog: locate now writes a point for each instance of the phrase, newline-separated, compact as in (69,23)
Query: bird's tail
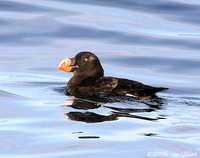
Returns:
(153,90)
(158,89)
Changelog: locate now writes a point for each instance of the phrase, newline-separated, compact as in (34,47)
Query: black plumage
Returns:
(89,80)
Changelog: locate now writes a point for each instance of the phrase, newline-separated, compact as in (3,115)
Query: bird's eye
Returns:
(86,59)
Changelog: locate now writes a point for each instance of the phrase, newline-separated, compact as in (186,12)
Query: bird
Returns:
(89,81)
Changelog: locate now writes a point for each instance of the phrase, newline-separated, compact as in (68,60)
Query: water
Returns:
(155,42)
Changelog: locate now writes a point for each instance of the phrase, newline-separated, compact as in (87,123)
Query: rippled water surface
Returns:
(155,42)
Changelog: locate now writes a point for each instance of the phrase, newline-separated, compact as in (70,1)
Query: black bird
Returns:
(89,81)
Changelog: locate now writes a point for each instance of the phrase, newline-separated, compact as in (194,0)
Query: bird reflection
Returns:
(90,117)
(82,104)
(114,112)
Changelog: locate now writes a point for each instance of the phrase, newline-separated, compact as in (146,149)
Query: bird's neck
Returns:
(80,77)
(75,81)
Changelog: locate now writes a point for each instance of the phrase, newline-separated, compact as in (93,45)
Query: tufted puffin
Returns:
(89,80)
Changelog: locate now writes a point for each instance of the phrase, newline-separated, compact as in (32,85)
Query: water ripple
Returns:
(155,42)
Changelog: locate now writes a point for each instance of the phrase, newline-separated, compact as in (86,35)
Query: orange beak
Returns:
(65,65)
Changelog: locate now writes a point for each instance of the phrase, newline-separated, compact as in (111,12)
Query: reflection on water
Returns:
(82,104)
(90,117)
(114,112)
(88,137)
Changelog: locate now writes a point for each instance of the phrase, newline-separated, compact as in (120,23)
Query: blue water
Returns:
(154,42)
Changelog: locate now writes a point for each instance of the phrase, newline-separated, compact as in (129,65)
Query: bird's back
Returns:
(115,87)
(133,88)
